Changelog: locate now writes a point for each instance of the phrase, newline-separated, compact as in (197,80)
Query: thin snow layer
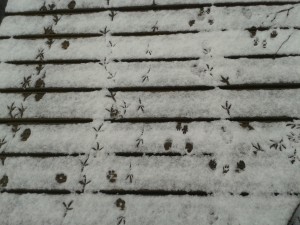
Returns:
(235,139)
(61,139)
(54,105)
(195,174)
(90,48)
(218,18)
(29,209)
(204,45)
(33,5)
(39,173)
(196,72)
(213,103)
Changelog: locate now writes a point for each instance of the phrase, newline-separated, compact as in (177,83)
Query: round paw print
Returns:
(240,166)
(168,144)
(72,5)
(189,146)
(212,164)
(65,44)
(120,203)
(61,178)
(274,34)
(191,22)
(111,176)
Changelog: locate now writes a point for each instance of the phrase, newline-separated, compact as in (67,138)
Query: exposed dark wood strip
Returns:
(53,61)
(261,56)
(49,90)
(200,119)
(157,33)
(146,192)
(161,88)
(264,119)
(38,154)
(161,120)
(57,36)
(36,191)
(142,192)
(132,60)
(4,37)
(257,86)
(168,154)
(264,86)
(45,121)
(153,7)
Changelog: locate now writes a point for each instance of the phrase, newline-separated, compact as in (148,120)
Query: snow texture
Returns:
(157,112)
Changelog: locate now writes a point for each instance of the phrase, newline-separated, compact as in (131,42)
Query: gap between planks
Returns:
(238,87)
(142,192)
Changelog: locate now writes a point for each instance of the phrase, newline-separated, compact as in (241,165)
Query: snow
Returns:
(166,20)
(126,162)
(257,210)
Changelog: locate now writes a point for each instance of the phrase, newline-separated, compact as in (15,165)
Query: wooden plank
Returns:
(46,139)
(195,174)
(36,5)
(238,71)
(205,104)
(247,211)
(232,19)
(154,173)
(198,138)
(53,105)
(158,48)
(37,173)
(199,45)
(38,50)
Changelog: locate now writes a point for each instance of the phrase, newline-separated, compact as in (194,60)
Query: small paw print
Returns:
(189,146)
(212,164)
(120,203)
(61,178)
(264,43)
(168,144)
(111,176)
(240,166)
(225,169)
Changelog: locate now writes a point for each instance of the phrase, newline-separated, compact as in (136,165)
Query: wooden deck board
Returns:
(149,112)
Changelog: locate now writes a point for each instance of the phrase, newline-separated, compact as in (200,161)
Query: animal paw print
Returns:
(240,166)
(61,178)
(184,129)
(203,13)
(111,176)
(3,181)
(212,164)
(120,203)
(65,44)
(225,169)
(72,4)
(189,146)
(168,144)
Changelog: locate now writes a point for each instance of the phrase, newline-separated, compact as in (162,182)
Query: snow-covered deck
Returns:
(149,112)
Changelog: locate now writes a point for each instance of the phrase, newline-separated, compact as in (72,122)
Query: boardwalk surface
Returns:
(161,112)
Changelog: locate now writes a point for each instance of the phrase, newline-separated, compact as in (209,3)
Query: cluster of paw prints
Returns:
(204,14)
(239,167)
(257,41)
(50,7)
(188,144)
